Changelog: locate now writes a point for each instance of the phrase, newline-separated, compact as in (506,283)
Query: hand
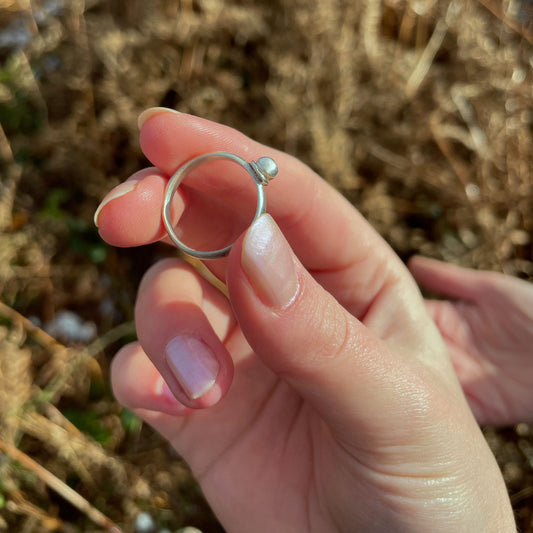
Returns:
(344,412)
(488,328)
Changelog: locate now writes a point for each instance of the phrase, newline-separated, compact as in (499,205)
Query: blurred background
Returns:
(419,111)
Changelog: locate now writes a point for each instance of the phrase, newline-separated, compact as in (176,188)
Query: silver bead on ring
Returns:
(261,171)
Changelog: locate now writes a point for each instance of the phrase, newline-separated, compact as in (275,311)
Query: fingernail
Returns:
(146,114)
(119,190)
(268,261)
(193,364)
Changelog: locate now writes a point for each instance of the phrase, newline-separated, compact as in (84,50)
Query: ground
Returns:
(420,112)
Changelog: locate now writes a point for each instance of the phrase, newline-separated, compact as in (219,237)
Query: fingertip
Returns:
(151,112)
(182,322)
(116,192)
(169,139)
(130,214)
(270,263)
(137,384)
(445,278)
(422,268)
(422,261)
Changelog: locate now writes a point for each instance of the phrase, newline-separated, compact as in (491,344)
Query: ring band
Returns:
(261,171)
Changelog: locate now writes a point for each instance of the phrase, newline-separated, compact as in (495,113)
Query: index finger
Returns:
(334,242)
(315,218)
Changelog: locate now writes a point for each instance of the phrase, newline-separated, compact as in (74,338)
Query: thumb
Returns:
(312,343)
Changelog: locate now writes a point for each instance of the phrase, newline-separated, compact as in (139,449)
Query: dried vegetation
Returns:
(419,111)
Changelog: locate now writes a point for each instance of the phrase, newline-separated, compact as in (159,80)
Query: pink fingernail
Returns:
(193,364)
(268,260)
(119,190)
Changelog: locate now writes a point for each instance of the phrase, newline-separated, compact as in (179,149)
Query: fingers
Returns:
(297,197)
(138,386)
(137,383)
(329,236)
(445,278)
(304,336)
(135,216)
(468,284)
(315,218)
(130,214)
(182,322)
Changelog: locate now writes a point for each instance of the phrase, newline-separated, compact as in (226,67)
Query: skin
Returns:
(337,406)
(487,324)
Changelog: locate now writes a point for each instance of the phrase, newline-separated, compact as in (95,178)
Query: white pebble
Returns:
(69,326)
(144,523)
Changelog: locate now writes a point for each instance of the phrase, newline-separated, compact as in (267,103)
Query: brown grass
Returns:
(420,112)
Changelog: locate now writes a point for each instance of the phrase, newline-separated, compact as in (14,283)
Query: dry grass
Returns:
(420,112)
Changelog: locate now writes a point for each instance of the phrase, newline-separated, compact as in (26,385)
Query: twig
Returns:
(54,415)
(509,22)
(6,152)
(468,114)
(18,504)
(426,59)
(517,497)
(60,487)
(460,169)
(38,334)
(97,346)
(388,157)
(10,181)
(54,346)
(370,27)
(68,445)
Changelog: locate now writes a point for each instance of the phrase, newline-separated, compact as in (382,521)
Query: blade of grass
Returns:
(56,384)
(10,181)
(60,487)
(38,334)
(36,516)
(509,22)
(426,59)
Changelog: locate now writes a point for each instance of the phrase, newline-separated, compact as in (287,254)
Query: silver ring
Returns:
(261,171)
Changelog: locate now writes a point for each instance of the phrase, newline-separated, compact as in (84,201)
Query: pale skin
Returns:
(337,405)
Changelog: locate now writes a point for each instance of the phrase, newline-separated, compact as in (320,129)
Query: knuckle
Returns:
(155,270)
(329,332)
